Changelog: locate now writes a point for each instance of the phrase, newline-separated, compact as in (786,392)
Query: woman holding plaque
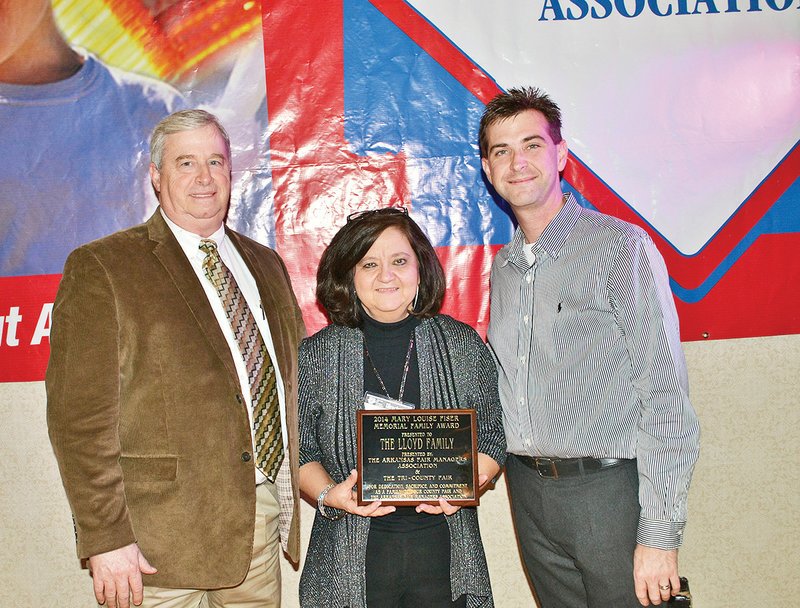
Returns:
(382,286)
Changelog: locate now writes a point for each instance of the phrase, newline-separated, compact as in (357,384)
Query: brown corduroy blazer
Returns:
(144,407)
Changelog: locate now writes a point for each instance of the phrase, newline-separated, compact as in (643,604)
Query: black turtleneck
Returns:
(387,344)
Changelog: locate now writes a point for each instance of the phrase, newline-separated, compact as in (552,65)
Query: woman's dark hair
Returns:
(335,287)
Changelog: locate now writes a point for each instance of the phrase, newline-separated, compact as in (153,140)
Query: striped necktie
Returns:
(260,371)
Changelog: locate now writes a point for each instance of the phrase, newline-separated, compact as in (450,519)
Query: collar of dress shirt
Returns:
(189,241)
(552,239)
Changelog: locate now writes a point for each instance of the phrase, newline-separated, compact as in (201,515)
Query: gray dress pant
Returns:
(577,534)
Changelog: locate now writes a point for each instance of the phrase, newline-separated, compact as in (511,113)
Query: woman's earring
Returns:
(414,303)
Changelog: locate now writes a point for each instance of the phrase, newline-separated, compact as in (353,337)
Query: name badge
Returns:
(374,401)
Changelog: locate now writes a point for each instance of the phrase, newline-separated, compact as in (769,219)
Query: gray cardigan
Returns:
(455,371)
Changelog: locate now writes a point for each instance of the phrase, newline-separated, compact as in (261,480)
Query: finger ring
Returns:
(663,587)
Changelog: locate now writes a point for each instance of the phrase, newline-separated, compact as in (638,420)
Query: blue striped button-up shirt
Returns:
(588,349)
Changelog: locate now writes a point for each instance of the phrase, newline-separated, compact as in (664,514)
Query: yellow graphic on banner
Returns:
(119,37)
(165,40)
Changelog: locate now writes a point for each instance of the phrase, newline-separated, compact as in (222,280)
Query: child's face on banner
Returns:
(19,20)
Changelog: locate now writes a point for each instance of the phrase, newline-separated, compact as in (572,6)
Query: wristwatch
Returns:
(331,513)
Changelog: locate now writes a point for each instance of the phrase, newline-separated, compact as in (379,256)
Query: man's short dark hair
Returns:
(335,276)
(516,101)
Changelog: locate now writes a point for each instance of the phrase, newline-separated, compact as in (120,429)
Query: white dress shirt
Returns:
(190,244)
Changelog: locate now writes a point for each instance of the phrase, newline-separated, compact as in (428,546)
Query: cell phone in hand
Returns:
(684,597)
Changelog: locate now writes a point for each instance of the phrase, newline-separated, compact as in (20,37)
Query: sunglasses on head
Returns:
(358,215)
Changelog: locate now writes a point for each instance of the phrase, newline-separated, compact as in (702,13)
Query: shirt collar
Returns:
(552,239)
(189,241)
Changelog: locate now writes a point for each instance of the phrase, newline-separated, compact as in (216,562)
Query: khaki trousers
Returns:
(262,586)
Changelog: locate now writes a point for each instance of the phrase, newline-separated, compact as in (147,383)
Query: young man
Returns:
(601,434)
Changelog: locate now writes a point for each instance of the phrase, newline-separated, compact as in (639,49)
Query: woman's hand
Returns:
(443,507)
(487,471)
(343,496)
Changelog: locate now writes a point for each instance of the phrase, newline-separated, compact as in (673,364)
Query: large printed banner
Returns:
(681,116)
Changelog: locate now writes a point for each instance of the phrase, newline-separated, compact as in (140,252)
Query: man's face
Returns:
(194,182)
(523,162)
(19,19)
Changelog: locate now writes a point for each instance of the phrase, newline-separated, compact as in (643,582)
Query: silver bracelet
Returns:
(337,514)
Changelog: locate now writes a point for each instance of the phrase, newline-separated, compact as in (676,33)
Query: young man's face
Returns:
(194,181)
(523,163)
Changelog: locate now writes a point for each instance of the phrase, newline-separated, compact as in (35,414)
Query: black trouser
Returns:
(410,569)
(577,534)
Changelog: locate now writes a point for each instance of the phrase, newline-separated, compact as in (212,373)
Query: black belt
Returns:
(553,468)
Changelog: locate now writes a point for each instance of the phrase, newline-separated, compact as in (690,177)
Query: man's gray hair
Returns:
(184,120)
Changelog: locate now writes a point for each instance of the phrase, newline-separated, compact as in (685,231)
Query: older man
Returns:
(593,383)
(172,393)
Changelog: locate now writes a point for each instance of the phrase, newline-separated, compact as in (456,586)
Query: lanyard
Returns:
(405,369)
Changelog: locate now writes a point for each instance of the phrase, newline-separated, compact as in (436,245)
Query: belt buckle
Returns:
(551,469)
